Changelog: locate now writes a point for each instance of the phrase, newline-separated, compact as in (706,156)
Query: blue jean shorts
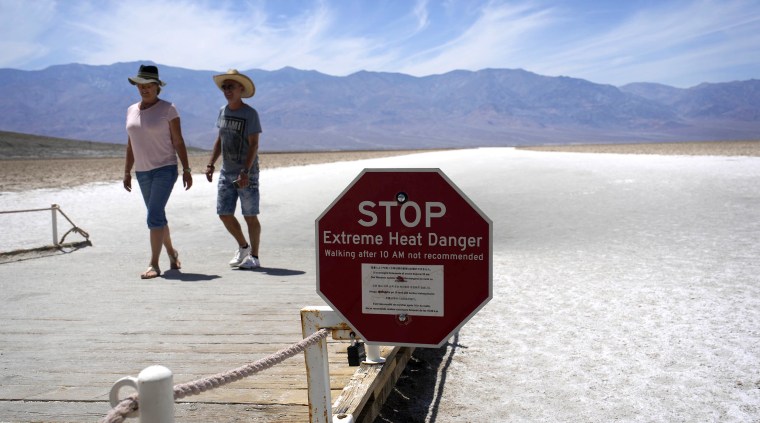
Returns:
(156,186)
(227,195)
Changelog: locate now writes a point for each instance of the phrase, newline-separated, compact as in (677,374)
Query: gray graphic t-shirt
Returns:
(234,128)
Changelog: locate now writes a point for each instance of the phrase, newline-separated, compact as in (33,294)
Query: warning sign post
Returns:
(404,257)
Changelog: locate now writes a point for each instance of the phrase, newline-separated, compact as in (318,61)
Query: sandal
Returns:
(174,262)
(152,272)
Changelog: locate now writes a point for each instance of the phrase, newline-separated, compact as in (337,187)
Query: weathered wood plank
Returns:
(364,395)
(79,412)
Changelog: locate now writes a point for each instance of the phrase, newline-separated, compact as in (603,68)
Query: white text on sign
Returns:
(433,210)
(396,239)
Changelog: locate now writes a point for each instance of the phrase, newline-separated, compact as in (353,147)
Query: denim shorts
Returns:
(156,186)
(227,195)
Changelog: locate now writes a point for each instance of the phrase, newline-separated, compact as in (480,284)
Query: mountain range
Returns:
(307,110)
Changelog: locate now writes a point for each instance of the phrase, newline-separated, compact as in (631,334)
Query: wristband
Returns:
(187,170)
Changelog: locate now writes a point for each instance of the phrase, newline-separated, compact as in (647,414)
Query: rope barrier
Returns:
(74,228)
(119,413)
(25,211)
(54,208)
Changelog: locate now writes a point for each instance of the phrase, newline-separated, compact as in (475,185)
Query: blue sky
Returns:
(675,42)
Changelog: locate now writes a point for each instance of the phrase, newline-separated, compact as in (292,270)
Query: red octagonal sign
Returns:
(404,257)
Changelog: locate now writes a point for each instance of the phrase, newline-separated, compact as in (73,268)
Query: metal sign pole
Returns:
(317,366)
(54,209)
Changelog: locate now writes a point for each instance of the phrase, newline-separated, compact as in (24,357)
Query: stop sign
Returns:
(404,257)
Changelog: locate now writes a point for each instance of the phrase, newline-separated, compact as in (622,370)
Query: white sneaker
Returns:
(240,256)
(250,262)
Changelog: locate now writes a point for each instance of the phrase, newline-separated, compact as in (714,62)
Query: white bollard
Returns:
(155,390)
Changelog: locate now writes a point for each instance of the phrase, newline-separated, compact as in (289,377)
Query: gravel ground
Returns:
(722,148)
(18,175)
(50,170)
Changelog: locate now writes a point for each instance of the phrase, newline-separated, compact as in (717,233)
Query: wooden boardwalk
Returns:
(73,323)
(69,331)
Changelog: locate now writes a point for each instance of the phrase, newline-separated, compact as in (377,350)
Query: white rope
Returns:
(27,211)
(119,413)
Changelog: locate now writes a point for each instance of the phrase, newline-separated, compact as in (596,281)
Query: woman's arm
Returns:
(179,147)
(129,161)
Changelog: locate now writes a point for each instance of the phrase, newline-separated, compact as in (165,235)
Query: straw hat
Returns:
(248,88)
(148,74)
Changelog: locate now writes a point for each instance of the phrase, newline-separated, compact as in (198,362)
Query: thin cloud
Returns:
(204,36)
(657,43)
(677,42)
(197,37)
(421,13)
(21,44)
(497,34)
(309,42)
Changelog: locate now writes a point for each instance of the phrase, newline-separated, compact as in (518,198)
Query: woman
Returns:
(153,144)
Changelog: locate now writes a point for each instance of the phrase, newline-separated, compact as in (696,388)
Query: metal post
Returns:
(155,390)
(54,209)
(373,354)
(317,366)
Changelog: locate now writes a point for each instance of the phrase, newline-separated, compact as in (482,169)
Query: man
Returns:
(238,144)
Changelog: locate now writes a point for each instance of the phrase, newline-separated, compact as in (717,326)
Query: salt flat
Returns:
(625,287)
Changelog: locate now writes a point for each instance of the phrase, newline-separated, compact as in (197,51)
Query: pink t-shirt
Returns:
(150,135)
